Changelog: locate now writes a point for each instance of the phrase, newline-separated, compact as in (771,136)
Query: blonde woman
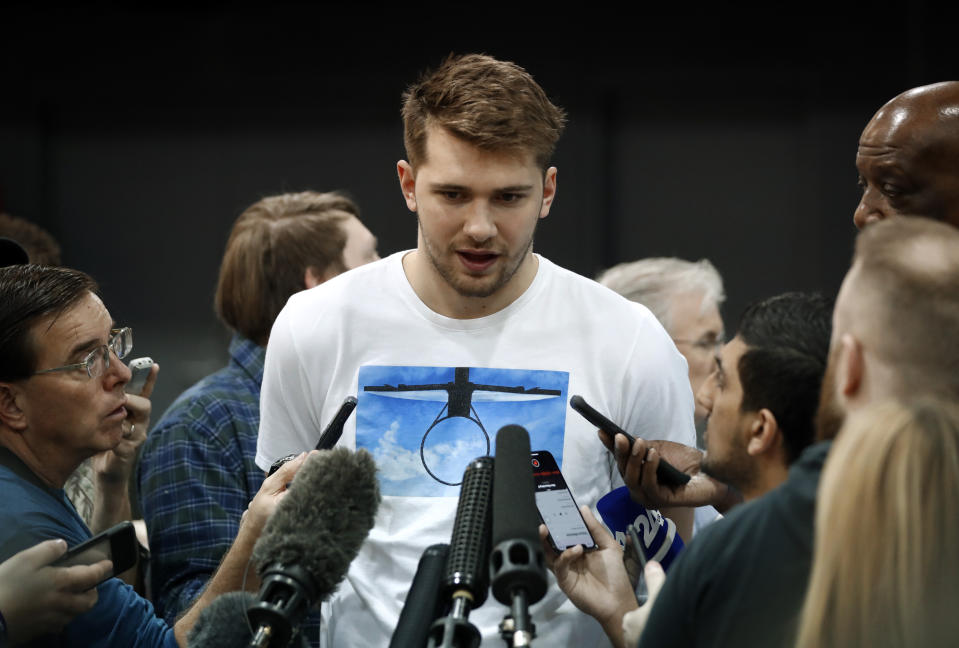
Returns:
(886,565)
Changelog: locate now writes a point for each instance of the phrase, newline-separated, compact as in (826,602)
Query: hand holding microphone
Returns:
(304,551)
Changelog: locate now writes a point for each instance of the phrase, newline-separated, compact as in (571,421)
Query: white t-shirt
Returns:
(433,391)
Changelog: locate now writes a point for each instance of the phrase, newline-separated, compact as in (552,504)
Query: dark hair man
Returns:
(445,344)
(196,472)
(908,156)
(61,401)
(761,409)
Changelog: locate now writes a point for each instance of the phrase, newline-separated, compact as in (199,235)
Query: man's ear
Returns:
(549,191)
(849,376)
(10,411)
(763,434)
(407,183)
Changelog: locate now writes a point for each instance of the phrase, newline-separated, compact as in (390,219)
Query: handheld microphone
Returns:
(466,581)
(423,602)
(330,435)
(310,540)
(517,565)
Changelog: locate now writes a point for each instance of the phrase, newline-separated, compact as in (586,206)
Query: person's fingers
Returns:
(284,475)
(151,380)
(634,469)
(80,578)
(621,452)
(597,529)
(43,553)
(563,561)
(655,579)
(650,484)
(548,553)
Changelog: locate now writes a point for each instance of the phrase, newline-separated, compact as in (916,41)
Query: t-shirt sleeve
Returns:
(658,386)
(287,413)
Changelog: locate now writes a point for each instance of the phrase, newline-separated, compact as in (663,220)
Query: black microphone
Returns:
(466,582)
(423,602)
(517,565)
(308,543)
(223,623)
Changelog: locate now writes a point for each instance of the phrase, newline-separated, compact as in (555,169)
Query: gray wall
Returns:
(136,137)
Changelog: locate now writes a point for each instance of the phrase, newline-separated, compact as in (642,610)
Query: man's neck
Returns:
(441,298)
(769,476)
(49,467)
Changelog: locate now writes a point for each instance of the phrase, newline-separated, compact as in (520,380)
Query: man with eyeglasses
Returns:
(62,401)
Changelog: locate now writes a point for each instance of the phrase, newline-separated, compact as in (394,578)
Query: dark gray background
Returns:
(137,136)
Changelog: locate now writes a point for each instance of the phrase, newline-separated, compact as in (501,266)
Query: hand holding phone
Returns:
(556,506)
(118,544)
(666,473)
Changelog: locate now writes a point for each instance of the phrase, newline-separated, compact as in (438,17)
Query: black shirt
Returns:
(743,580)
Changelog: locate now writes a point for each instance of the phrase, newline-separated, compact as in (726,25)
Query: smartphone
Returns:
(666,473)
(556,506)
(634,559)
(118,544)
(330,435)
(140,368)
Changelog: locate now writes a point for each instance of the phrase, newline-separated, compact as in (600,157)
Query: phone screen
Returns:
(556,505)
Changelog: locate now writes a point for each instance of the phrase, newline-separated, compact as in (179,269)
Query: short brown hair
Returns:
(40,245)
(494,105)
(271,246)
(908,281)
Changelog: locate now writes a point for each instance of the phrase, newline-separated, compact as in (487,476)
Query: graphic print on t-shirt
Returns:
(423,425)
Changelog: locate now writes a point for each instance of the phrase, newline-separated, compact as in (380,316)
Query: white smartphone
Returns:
(140,368)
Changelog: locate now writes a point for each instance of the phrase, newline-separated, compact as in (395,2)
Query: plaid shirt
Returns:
(197,476)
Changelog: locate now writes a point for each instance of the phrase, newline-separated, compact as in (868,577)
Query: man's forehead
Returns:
(444,144)
(87,316)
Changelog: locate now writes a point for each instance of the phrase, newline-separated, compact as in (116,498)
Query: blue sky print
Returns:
(423,425)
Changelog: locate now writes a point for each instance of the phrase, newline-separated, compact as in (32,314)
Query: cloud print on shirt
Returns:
(423,425)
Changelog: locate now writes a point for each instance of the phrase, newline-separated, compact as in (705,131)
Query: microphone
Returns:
(517,565)
(466,581)
(307,545)
(423,603)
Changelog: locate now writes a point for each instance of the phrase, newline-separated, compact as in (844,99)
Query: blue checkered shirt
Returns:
(197,476)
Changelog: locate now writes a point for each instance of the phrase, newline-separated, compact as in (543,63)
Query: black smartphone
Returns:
(330,435)
(666,473)
(556,506)
(634,559)
(118,544)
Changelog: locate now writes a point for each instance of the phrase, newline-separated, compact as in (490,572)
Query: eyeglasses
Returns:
(98,360)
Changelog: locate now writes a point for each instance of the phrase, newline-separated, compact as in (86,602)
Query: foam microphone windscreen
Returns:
(468,564)
(514,492)
(223,624)
(321,522)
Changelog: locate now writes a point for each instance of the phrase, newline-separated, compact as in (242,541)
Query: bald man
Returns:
(908,158)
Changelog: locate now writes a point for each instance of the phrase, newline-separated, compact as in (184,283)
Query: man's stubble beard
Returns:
(450,276)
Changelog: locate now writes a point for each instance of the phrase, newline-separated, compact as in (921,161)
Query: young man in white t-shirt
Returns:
(444,344)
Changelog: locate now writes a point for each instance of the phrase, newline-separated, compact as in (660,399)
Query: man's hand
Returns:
(37,599)
(637,466)
(595,581)
(634,621)
(229,576)
(116,466)
(273,489)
